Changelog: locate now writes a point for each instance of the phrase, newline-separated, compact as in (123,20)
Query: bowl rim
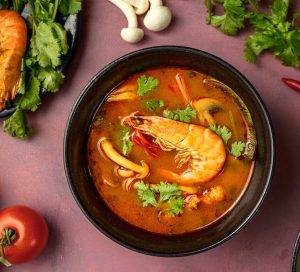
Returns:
(181,49)
(296,250)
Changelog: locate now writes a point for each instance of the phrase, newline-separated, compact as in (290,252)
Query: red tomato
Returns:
(31,230)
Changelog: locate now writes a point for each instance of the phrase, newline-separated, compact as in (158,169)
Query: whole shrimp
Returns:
(201,149)
(13,39)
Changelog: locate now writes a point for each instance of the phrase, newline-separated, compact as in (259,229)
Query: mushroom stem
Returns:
(155,3)
(128,12)
(132,33)
(141,6)
(112,154)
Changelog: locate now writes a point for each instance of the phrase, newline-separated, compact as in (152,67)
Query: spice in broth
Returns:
(167,150)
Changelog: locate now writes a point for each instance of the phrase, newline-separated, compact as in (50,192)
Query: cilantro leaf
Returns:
(223,132)
(158,194)
(22,81)
(275,34)
(31,99)
(61,36)
(183,115)
(126,142)
(209,8)
(48,44)
(176,206)
(146,84)
(68,7)
(279,10)
(233,18)
(237,148)
(16,125)
(44,46)
(146,194)
(153,104)
(166,190)
(50,79)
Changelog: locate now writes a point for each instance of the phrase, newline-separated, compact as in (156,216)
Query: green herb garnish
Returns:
(164,193)
(67,7)
(184,115)
(126,142)
(233,18)
(273,32)
(225,134)
(146,84)
(48,44)
(153,104)
(237,148)
(16,125)
(146,194)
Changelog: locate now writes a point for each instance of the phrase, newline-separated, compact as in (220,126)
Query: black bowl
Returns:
(296,256)
(75,153)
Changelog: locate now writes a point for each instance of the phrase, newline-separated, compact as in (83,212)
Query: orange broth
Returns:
(234,177)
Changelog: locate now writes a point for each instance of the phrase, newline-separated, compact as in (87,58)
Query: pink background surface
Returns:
(31,171)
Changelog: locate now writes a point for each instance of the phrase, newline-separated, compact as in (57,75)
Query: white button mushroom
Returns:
(132,33)
(158,17)
(141,6)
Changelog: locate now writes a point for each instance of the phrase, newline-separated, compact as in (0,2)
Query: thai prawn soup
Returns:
(171,150)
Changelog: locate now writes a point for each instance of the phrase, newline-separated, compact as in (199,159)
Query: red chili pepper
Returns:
(174,88)
(292,83)
(150,147)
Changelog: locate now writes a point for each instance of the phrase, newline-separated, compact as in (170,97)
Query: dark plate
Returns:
(296,256)
(75,153)
(71,25)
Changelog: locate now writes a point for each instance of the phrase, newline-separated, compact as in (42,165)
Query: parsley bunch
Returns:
(272,32)
(162,194)
(48,44)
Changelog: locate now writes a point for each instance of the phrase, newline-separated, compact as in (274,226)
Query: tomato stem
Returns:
(8,237)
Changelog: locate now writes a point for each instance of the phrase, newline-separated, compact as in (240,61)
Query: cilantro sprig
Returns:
(48,44)
(184,115)
(153,104)
(126,142)
(162,194)
(225,134)
(146,84)
(273,32)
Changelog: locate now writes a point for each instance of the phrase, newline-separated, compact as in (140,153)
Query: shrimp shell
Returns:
(201,149)
(13,39)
